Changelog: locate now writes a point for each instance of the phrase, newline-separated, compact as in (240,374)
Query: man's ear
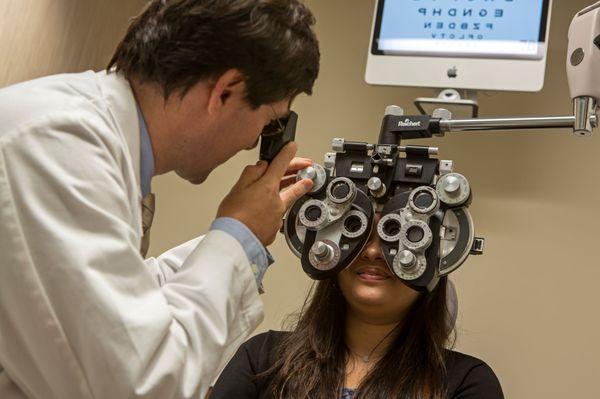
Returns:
(229,87)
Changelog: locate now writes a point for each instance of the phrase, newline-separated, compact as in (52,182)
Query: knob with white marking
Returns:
(316,173)
(453,189)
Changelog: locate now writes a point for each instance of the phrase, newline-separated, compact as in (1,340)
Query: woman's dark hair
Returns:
(177,43)
(311,360)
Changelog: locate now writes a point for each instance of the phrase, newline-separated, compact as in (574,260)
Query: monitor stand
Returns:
(463,106)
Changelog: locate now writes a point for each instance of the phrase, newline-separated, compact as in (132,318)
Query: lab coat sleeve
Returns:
(81,314)
(167,264)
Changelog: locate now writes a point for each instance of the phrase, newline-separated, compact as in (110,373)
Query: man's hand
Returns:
(256,200)
(294,167)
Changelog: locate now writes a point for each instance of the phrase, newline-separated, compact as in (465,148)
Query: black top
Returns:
(468,377)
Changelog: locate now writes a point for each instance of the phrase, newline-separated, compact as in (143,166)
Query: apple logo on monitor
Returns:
(453,73)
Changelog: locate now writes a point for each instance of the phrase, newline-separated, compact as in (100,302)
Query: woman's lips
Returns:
(371,273)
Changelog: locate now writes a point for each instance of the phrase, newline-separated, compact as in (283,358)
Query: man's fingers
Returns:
(298,164)
(280,163)
(287,181)
(295,192)
(252,173)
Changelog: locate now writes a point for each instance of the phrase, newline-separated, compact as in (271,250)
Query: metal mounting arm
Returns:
(397,127)
(486,124)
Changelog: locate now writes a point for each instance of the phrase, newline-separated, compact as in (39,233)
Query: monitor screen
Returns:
(511,29)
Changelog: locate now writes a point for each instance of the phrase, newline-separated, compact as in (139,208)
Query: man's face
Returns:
(208,139)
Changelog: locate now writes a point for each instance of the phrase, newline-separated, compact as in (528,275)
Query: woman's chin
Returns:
(369,295)
(367,289)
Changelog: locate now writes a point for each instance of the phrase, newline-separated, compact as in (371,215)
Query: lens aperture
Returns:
(424,200)
(340,190)
(353,224)
(313,213)
(392,227)
(415,234)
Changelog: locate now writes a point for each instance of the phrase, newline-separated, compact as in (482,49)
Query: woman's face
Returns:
(371,289)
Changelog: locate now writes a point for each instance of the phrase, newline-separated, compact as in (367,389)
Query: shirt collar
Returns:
(146,156)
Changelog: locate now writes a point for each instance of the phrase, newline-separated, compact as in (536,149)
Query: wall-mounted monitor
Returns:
(461,44)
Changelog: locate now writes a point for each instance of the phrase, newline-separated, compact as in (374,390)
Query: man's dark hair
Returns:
(177,43)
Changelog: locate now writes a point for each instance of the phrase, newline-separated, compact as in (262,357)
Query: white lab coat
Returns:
(81,314)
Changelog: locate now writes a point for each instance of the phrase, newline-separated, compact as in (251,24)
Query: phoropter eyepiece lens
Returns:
(340,190)
(313,213)
(424,200)
(415,234)
(391,227)
(353,224)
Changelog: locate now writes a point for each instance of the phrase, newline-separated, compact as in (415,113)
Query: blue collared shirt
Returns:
(146,157)
(259,257)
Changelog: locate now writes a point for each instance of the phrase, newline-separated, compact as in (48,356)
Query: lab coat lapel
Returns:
(122,105)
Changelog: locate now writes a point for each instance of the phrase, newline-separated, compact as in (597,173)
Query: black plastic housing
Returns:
(271,145)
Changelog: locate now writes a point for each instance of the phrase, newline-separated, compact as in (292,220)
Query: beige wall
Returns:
(529,306)
(41,37)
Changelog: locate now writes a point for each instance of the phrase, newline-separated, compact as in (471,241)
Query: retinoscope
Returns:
(423,222)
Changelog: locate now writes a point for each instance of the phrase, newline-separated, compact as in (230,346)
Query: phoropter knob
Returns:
(409,266)
(316,173)
(407,260)
(308,173)
(452,185)
(324,255)
(394,110)
(376,187)
(322,251)
(453,189)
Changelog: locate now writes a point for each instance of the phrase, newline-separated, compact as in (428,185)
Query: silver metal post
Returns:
(583,107)
(483,124)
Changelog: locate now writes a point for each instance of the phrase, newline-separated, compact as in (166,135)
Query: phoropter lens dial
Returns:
(390,227)
(416,235)
(341,190)
(424,200)
(355,224)
(313,214)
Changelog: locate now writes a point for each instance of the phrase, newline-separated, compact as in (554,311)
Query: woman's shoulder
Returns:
(471,377)
(261,348)
(269,339)
(468,376)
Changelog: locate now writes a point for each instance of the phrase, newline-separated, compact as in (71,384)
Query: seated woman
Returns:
(361,335)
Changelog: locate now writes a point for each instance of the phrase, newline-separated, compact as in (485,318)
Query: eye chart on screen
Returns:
(451,43)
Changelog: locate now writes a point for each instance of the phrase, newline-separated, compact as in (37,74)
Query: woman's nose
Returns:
(372,251)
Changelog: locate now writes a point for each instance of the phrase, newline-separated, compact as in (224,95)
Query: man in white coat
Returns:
(82,315)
